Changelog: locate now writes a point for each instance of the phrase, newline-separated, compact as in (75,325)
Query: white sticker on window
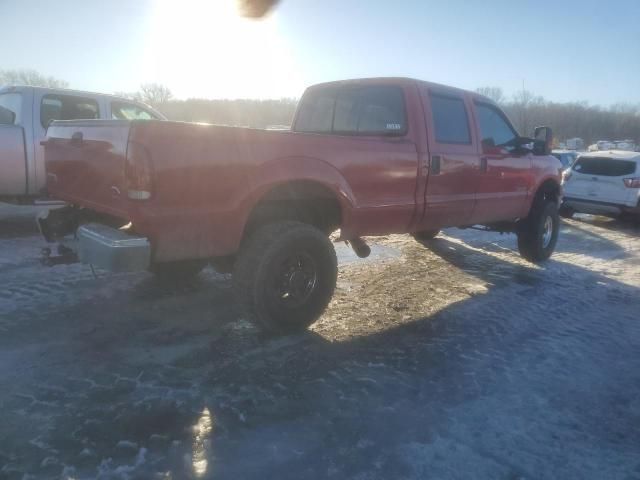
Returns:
(394,126)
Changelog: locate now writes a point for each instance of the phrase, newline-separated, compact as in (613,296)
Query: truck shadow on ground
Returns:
(573,238)
(528,338)
(155,364)
(297,405)
(627,225)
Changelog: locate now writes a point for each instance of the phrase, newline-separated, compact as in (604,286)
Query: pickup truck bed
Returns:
(369,157)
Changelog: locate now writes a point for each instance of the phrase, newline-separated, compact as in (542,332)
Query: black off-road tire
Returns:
(533,243)
(178,271)
(263,271)
(425,235)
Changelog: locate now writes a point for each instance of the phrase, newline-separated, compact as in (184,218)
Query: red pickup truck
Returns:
(367,157)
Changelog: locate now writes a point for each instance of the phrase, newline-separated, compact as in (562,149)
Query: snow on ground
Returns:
(452,360)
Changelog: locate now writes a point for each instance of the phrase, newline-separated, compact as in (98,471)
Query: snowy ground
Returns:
(455,361)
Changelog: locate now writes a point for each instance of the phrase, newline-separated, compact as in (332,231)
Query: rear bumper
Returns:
(112,249)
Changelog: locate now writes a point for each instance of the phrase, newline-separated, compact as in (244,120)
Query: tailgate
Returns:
(85,163)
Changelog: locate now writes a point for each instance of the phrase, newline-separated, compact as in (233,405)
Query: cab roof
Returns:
(613,154)
(69,91)
(402,81)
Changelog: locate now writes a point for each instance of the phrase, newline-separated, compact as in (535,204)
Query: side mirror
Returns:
(543,138)
(7,117)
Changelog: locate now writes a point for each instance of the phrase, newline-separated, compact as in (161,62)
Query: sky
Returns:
(563,50)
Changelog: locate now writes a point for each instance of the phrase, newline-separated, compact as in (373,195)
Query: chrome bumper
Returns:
(112,249)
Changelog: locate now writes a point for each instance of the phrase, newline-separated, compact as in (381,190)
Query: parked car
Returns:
(603,183)
(368,157)
(566,157)
(23,125)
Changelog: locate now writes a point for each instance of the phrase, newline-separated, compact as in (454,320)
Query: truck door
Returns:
(13,159)
(53,106)
(505,175)
(454,159)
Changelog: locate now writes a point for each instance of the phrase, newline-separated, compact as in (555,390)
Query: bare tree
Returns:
(154,94)
(30,77)
(494,93)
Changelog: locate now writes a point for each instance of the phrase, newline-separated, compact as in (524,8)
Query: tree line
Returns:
(569,119)
(525,109)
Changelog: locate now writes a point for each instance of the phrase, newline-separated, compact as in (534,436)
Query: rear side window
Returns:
(451,124)
(12,105)
(494,128)
(606,167)
(316,111)
(129,111)
(352,110)
(67,107)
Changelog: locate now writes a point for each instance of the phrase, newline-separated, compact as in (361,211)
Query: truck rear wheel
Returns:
(285,275)
(538,233)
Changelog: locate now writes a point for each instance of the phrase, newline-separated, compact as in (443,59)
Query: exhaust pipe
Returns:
(360,247)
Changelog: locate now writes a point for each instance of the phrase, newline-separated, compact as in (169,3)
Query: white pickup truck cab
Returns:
(25,113)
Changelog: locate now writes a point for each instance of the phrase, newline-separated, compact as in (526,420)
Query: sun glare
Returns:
(204,48)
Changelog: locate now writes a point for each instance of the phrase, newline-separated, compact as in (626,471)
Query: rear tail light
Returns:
(632,182)
(138,172)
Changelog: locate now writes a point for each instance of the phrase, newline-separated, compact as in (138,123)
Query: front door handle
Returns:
(483,165)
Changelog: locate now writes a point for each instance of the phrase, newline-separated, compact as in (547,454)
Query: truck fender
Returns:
(274,173)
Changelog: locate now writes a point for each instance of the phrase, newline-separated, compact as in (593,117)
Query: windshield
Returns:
(12,103)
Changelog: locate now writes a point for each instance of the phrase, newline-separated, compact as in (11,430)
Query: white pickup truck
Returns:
(25,113)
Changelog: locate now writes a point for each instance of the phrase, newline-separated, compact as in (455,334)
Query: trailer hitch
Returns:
(64,256)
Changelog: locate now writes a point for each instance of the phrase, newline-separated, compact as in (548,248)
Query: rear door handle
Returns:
(435,165)
(484,165)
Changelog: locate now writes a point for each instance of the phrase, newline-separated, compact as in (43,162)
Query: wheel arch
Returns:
(307,183)
(549,189)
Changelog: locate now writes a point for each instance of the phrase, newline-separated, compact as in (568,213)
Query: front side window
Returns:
(354,110)
(495,130)
(12,105)
(67,107)
(129,111)
(450,121)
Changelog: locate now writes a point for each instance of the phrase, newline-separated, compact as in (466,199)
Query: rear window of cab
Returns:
(353,110)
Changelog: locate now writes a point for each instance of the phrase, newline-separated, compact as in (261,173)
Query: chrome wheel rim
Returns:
(547,232)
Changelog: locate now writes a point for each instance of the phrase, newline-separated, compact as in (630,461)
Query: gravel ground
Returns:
(454,360)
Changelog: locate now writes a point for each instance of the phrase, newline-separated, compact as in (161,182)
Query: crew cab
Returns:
(367,157)
(25,114)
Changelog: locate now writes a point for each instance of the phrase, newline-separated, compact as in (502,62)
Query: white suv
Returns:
(603,183)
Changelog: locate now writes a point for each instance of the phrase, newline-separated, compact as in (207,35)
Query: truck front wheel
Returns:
(285,275)
(538,233)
